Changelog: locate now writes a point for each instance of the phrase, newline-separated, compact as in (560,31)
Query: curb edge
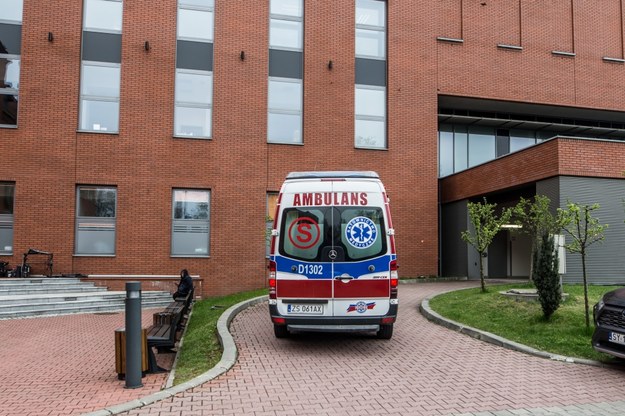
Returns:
(228,359)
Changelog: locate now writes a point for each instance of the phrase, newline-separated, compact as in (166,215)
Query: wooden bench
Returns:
(162,334)
(163,337)
(186,300)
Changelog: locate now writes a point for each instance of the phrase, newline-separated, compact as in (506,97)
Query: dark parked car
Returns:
(609,315)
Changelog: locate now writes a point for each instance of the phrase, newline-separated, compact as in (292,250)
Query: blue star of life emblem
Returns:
(361,232)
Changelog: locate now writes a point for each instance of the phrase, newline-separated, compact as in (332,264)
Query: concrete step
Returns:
(74,309)
(48,289)
(16,281)
(37,296)
(72,297)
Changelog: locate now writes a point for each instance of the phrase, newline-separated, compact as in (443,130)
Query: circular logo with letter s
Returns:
(361,232)
(304,232)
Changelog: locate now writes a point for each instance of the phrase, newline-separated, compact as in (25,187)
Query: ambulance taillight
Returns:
(272,280)
(394,279)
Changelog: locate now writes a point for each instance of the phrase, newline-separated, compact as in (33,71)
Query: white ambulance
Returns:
(332,263)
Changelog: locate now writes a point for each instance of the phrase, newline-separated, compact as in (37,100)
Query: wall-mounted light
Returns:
(146,45)
(50,37)
(242,56)
(511,226)
(330,64)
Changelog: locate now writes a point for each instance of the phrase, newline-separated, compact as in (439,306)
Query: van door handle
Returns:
(344,277)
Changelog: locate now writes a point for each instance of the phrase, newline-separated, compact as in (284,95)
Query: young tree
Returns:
(486,225)
(577,221)
(535,219)
(546,276)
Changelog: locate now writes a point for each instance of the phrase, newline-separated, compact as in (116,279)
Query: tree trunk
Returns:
(482,272)
(532,259)
(585,289)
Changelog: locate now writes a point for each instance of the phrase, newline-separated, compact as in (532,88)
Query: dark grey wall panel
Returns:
(102,47)
(498,255)
(454,258)
(194,55)
(605,261)
(10,38)
(551,189)
(502,143)
(285,64)
(370,72)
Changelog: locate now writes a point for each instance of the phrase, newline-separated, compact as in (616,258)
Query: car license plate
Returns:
(616,337)
(305,309)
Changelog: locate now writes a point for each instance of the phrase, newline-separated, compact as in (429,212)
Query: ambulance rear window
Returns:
(303,233)
(362,232)
(357,233)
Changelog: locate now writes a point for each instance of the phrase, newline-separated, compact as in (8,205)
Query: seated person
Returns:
(185,286)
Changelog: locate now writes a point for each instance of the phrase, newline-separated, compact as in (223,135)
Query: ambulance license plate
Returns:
(616,337)
(305,309)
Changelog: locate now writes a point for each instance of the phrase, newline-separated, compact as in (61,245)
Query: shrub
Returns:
(545,276)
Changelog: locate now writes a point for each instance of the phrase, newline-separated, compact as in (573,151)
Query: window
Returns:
(7,191)
(370,43)
(370,83)
(190,223)
(293,8)
(285,91)
(481,145)
(370,29)
(99,105)
(193,103)
(195,24)
(446,152)
(104,15)
(359,253)
(194,69)
(101,66)
(12,10)
(314,219)
(10,54)
(285,34)
(520,139)
(285,110)
(199,3)
(370,116)
(329,227)
(460,147)
(95,220)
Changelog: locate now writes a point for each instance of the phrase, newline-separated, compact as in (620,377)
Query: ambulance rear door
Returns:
(303,274)
(361,271)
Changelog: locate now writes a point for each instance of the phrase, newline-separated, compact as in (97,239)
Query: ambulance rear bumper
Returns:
(334,328)
(330,323)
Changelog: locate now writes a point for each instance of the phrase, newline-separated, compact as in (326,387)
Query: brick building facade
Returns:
(562,53)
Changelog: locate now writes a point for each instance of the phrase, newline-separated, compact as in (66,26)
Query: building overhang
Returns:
(567,156)
(567,121)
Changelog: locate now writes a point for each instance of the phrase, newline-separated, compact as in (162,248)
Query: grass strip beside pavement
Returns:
(564,334)
(201,349)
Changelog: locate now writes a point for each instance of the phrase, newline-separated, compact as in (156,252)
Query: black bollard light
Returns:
(133,335)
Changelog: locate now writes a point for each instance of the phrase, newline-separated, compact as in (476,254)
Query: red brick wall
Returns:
(167,284)
(478,68)
(47,158)
(561,156)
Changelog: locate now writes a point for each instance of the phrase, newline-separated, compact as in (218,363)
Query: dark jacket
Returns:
(185,286)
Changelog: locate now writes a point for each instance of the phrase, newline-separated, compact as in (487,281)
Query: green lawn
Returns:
(201,350)
(565,334)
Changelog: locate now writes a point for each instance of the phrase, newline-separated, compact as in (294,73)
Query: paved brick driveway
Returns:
(424,370)
(62,365)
